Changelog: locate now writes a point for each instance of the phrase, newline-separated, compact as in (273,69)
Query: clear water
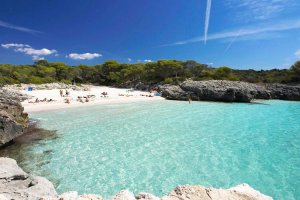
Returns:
(155,146)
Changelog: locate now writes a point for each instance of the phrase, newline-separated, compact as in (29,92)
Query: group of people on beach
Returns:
(85,98)
(37,100)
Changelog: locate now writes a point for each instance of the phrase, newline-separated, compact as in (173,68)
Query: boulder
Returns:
(146,196)
(18,185)
(123,195)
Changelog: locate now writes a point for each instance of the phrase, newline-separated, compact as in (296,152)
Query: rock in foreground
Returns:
(18,185)
(229,91)
(13,120)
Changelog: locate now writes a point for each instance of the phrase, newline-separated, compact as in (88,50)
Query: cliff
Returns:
(18,185)
(229,91)
(13,121)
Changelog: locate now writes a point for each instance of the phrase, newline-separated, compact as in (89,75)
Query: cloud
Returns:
(83,56)
(251,10)
(14,45)
(37,54)
(297,53)
(129,60)
(248,31)
(207,16)
(147,60)
(18,28)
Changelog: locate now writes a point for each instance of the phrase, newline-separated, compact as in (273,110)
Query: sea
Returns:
(155,146)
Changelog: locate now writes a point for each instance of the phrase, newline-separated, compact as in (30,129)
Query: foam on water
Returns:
(155,146)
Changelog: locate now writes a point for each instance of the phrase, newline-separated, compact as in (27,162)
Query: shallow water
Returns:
(155,146)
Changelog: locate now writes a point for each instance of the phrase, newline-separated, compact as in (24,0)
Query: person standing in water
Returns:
(189,98)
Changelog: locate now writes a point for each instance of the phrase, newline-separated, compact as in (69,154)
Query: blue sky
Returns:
(243,34)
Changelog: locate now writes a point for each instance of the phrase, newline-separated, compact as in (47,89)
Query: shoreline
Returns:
(115,96)
(44,107)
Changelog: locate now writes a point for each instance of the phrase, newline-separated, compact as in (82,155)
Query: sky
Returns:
(241,34)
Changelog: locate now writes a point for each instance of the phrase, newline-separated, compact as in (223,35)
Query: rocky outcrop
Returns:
(284,92)
(18,185)
(241,192)
(229,91)
(13,120)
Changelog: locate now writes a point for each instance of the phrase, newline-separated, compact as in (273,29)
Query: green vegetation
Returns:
(118,74)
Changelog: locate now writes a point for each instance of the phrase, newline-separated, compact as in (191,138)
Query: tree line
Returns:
(127,75)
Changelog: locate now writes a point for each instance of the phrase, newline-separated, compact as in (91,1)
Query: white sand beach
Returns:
(114,95)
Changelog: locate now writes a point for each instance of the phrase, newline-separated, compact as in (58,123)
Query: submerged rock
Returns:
(18,185)
(229,91)
(13,121)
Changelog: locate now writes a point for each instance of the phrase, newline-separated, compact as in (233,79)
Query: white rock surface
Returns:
(123,195)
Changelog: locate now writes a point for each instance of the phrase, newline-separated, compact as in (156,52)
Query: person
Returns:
(61,93)
(67,100)
(37,100)
(189,98)
(67,93)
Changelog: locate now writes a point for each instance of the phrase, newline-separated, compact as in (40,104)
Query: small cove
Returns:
(155,146)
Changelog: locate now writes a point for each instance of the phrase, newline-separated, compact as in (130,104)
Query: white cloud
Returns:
(28,50)
(18,28)
(251,10)
(37,58)
(129,60)
(36,52)
(248,31)
(83,56)
(297,53)
(14,45)
(147,60)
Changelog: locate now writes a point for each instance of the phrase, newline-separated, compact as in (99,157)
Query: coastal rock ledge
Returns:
(13,121)
(229,91)
(18,185)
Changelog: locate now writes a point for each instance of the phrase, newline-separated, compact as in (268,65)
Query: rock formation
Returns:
(229,91)
(18,185)
(13,120)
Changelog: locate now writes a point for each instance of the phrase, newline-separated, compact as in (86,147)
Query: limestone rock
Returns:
(123,195)
(18,185)
(13,120)
(89,197)
(146,196)
(73,195)
(229,91)
(203,193)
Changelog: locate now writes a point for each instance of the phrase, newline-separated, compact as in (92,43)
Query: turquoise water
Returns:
(155,146)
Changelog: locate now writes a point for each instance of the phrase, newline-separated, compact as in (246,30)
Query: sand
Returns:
(59,102)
